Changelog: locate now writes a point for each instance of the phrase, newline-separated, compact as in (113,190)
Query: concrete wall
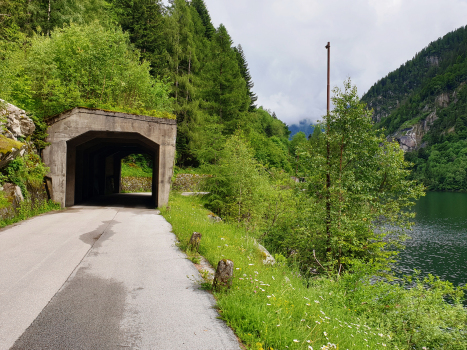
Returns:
(70,129)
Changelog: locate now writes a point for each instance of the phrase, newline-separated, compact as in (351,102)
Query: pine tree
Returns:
(199,135)
(203,12)
(226,92)
(144,21)
(245,72)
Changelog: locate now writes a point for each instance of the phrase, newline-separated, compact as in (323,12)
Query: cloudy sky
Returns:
(284,43)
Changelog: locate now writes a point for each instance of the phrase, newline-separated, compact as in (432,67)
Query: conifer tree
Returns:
(203,12)
(245,72)
(144,21)
(226,92)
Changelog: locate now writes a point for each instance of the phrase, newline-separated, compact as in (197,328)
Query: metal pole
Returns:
(328,46)
(328,162)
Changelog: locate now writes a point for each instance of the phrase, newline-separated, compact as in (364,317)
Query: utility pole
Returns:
(328,47)
(328,159)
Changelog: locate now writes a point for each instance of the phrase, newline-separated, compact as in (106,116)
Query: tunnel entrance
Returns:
(94,163)
(87,146)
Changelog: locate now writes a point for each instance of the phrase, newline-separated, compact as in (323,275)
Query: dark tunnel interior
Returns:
(94,166)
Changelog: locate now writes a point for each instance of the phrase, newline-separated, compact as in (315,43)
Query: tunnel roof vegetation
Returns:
(139,111)
(83,65)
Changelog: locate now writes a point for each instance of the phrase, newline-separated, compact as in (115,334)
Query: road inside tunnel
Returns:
(141,200)
(94,169)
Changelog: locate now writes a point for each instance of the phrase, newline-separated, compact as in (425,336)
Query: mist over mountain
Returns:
(306,126)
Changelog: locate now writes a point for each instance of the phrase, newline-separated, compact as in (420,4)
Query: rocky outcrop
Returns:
(14,122)
(432,61)
(410,139)
(12,192)
(442,100)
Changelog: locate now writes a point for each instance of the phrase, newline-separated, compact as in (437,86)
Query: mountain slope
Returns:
(306,126)
(423,104)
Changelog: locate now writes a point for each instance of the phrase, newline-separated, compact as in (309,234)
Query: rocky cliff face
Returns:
(15,126)
(410,139)
(14,122)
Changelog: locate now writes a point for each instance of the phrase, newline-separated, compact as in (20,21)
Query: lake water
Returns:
(439,239)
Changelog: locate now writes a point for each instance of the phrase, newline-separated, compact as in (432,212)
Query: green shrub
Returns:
(84,65)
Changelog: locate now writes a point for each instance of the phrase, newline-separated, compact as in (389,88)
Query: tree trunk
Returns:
(48,20)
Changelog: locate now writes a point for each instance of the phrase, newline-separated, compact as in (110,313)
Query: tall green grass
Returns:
(271,307)
(26,210)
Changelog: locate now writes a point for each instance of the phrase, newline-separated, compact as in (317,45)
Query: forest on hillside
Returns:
(139,57)
(429,92)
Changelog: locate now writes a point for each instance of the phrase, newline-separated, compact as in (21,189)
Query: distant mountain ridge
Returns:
(423,105)
(306,126)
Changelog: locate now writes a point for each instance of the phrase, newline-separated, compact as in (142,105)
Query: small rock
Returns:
(205,269)
(214,218)
(224,274)
(268,259)
(194,241)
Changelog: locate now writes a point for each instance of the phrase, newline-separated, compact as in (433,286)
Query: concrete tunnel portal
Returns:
(94,163)
(87,146)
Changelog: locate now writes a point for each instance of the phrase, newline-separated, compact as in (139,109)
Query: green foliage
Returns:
(83,65)
(137,165)
(275,307)
(7,144)
(225,92)
(296,144)
(272,151)
(239,184)
(245,72)
(441,167)
(203,13)
(28,209)
(51,61)
(143,20)
(244,191)
(4,202)
(28,170)
(356,193)
(414,311)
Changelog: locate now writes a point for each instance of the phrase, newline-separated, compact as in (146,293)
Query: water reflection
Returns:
(439,239)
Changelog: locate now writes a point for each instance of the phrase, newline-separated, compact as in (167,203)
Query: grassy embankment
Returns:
(27,209)
(269,307)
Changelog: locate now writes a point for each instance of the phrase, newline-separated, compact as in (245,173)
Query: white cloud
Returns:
(284,43)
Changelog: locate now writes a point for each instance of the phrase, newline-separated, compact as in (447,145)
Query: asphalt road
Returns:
(103,278)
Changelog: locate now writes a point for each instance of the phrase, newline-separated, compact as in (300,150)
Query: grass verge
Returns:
(270,307)
(28,209)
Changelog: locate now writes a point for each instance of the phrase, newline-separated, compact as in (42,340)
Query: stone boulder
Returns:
(14,121)
(12,192)
(194,241)
(224,274)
